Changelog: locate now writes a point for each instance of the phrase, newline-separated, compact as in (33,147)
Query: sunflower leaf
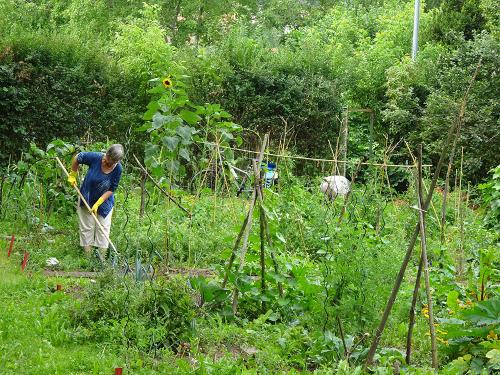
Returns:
(190,117)
(184,153)
(171,142)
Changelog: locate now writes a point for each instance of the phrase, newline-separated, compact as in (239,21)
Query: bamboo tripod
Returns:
(423,206)
(243,235)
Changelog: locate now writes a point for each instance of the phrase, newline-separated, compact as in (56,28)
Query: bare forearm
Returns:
(106,195)
(74,164)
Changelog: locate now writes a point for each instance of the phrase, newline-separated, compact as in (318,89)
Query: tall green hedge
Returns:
(51,90)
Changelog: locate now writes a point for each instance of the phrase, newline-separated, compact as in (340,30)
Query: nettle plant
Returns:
(181,131)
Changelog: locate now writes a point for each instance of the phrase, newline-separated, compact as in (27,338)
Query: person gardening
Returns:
(98,189)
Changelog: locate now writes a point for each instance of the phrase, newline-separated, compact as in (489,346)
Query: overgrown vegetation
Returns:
(191,88)
(273,66)
(331,272)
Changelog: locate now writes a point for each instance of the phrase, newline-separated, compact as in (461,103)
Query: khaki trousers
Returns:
(90,233)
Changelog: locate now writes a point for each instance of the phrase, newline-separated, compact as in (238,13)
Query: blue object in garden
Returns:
(270,174)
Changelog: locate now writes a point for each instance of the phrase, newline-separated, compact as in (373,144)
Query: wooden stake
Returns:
(411,321)
(265,224)
(424,185)
(262,257)
(461,255)
(423,244)
(345,140)
(447,182)
(246,233)
(11,245)
(273,257)
(341,331)
(346,199)
(235,249)
(143,194)
(159,187)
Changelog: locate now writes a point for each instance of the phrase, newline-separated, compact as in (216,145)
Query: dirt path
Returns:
(163,272)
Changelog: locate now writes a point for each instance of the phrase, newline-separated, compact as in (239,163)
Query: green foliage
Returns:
(265,85)
(115,310)
(70,69)
(265,101)
(328,271)
(175,124)
(270,63)
(23,184)
(491,12)
(48,94)
(139,47)
(456,20)
(408,87)
(425,99)
(491,198)
(472,338)
(199,22)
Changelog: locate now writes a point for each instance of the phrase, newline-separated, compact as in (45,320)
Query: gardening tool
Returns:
(90,210)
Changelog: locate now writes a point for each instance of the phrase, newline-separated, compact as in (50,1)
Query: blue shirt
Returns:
(96,182)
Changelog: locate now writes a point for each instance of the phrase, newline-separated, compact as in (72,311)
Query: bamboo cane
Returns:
(341,331)
(264,227)
(411,321)
(262,257)
(273,257)
(423,244)
(345,140)
(143,195)
(447,183)
(233,252)
(249,223)
(423,182)
(347,196)
(159,187)
(461,257)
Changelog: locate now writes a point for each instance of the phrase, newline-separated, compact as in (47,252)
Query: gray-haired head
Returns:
(115,152)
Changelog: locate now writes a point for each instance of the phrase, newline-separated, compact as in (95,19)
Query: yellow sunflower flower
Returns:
(167,82)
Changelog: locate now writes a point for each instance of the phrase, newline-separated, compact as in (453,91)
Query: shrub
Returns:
(50,91)
(149,316)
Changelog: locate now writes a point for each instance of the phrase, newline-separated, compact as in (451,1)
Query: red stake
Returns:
(12,239)
(119,371)
(25,260)
(58,287)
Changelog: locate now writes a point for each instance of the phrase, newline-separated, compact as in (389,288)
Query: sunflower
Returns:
(167,82)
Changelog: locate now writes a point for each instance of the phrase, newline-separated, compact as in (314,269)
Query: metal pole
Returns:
(416,17)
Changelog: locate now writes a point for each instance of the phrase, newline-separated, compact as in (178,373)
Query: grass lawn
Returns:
(34,328)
